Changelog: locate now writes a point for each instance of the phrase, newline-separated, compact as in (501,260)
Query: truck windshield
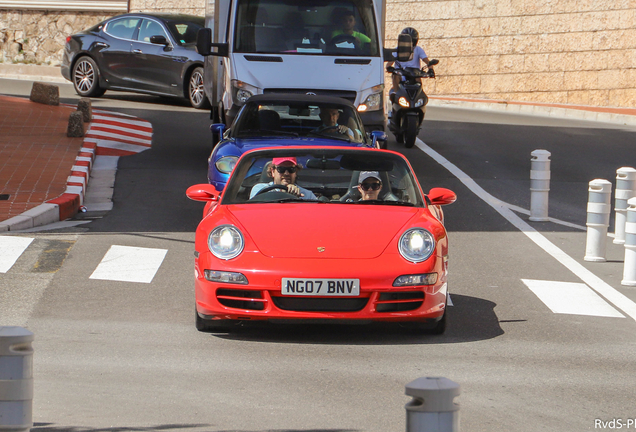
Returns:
(307,27)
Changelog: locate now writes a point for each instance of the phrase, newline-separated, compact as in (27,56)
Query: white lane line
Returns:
(571,298)
(129,264)
(10,250)
(597,284)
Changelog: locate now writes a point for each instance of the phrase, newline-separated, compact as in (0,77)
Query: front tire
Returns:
(196,90)
(85,77)
(411,131)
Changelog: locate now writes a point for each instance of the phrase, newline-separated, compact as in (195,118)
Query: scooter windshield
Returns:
(307,27)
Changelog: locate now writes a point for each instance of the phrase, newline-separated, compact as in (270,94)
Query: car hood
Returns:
(342,231)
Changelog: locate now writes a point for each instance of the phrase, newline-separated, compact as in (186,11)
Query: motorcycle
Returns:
(409,103)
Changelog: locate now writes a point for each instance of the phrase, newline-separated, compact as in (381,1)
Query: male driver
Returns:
(284,171)
(369,185)
(329,117)
(348,22)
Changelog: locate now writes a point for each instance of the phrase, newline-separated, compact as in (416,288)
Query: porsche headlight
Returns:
(403,102)
(226,242)
(226,164)
(416,245)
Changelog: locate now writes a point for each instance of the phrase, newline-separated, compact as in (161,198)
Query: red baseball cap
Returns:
(280,160)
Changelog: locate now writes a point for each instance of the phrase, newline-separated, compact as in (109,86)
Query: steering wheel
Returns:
(344,38)
(271,188)
(323,130)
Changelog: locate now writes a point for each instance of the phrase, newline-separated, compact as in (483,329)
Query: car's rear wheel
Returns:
(196,90)
(86,78)
(206,325)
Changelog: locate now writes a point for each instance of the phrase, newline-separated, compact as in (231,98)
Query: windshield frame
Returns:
(394,164)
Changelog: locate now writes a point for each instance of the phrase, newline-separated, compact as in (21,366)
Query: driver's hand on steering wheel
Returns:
(343,129)
(294,190)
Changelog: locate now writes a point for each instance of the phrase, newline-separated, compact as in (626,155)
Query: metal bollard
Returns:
(629,265)
(16,379)
(539,185)
(598,213)
(433,408)
(625,189)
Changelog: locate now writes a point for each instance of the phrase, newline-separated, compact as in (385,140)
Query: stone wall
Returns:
(580,52)
(38,37)
(190,7)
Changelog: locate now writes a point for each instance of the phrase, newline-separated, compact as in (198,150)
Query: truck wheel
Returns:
(196,90)
(411,131)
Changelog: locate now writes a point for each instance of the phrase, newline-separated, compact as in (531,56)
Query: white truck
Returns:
(323,47)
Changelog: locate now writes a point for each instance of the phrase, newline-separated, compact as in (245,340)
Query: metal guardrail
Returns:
(67,5)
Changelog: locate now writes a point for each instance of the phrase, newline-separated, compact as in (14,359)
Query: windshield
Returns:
(184,31)
(333,176)
(330,27)
(281,118)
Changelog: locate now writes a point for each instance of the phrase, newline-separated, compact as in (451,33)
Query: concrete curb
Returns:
(64,206)
(603,115)
(32,72)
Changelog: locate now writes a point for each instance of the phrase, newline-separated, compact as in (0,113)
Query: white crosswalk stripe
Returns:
(129,264)
(571,298)
(10,250)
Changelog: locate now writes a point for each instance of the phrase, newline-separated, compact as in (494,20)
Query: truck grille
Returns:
(349,95)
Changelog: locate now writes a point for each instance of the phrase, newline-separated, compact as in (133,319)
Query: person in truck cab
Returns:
(348,25)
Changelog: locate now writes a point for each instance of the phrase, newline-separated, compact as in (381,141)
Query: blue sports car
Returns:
(273,120)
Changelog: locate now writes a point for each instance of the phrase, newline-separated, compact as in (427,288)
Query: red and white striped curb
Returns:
(116,134)
(109,134)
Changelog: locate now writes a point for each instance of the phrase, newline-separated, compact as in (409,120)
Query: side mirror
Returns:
(203,192)
(442,196)
(378,137)
(217,128)
(159,40)
(205,45)
(204,41)
(432,62)
(405,47)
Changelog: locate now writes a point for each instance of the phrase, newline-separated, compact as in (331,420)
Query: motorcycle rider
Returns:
(417,56)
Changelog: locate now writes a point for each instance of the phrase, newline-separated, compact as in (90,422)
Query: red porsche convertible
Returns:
(320,233)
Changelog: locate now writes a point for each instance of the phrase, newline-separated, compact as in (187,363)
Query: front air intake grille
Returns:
(240,299)
(320,304)
(399,301)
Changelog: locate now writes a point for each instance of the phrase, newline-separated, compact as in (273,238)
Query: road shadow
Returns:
(470,319)
(52,427)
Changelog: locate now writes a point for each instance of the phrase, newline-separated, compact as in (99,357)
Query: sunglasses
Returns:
(371,186)
(290,169)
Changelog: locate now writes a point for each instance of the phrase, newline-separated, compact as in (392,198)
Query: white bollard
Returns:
(539,185)
(598,214)
(433,408)
(16,379)
(629,265)
(625,189)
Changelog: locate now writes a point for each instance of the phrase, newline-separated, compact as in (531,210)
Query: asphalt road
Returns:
(126,356)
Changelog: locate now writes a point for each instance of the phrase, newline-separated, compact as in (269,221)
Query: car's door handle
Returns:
(101,44)
(138,51)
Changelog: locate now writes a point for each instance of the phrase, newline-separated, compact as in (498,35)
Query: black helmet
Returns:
(415,36)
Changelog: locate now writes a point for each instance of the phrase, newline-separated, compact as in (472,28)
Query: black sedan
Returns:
(138,52)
